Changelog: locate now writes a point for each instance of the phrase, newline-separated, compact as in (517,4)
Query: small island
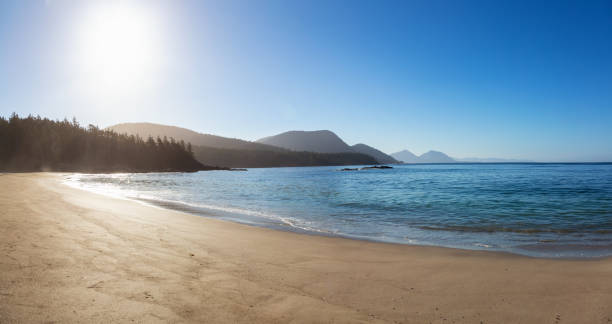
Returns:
(374,167)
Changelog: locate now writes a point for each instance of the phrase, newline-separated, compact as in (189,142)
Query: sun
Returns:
(117,47)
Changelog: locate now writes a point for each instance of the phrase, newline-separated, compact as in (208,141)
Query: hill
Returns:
(435,157)
(429,157)
(236,153)
(492,160)
(321,141)
(378,155)
(149,129)
(263,158)
(405,156)
(37,144)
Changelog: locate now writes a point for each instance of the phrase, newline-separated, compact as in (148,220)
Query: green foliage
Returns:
(263,158)
(37,144)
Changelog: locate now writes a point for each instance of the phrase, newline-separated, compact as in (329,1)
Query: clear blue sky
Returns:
(507,79)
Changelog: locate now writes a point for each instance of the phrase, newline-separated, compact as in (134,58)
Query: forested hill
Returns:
(195,138)
(236,153)
(266,159)
(37,144)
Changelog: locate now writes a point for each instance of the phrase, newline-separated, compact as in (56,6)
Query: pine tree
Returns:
(35,144)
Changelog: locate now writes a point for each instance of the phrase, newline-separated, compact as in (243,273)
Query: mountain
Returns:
(236,153)
(435,157)
(492,160)
(37,144)
(321,141)
(265,159)
(406,156)
(145,130)
(378,155)
(429,157)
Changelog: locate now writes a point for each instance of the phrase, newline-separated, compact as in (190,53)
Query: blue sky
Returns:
(507,79)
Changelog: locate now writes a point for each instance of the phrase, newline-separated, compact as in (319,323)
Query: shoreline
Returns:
(545,250)
(285,226)
(288,228)
(72,255)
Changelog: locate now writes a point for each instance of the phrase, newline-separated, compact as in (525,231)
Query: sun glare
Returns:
(118,48)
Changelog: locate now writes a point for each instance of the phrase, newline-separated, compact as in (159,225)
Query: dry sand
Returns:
(73,256)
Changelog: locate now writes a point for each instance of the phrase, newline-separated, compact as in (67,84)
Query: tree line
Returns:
(41,144)
(283,158)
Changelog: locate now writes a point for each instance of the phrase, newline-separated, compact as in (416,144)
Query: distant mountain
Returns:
(264,158)
(378,155)
(145,130)
(405,156)
(321,141)
(436,157)
(236,153)
(439,157)
(429,157)
(492,160)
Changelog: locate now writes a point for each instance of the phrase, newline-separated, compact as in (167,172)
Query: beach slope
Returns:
(68,255)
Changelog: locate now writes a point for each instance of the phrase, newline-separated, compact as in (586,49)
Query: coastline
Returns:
(525,228)
(71,255)
(288,226)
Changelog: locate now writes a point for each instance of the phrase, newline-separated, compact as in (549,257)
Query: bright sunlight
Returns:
(117,48)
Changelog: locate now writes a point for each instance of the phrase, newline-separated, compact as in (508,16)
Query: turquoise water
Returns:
(545,210)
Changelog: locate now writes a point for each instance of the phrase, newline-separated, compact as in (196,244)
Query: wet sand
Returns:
(72,256)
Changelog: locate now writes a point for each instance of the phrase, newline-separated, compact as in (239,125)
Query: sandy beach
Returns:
(72,256)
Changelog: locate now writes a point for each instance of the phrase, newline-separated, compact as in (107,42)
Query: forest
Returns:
(235,153)
(40,144)
(282,158)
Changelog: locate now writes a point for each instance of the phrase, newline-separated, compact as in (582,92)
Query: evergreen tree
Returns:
(37,144)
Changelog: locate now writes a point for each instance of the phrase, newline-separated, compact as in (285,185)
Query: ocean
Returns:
(540,210)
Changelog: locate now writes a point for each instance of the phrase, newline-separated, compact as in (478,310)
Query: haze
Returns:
(513,80)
